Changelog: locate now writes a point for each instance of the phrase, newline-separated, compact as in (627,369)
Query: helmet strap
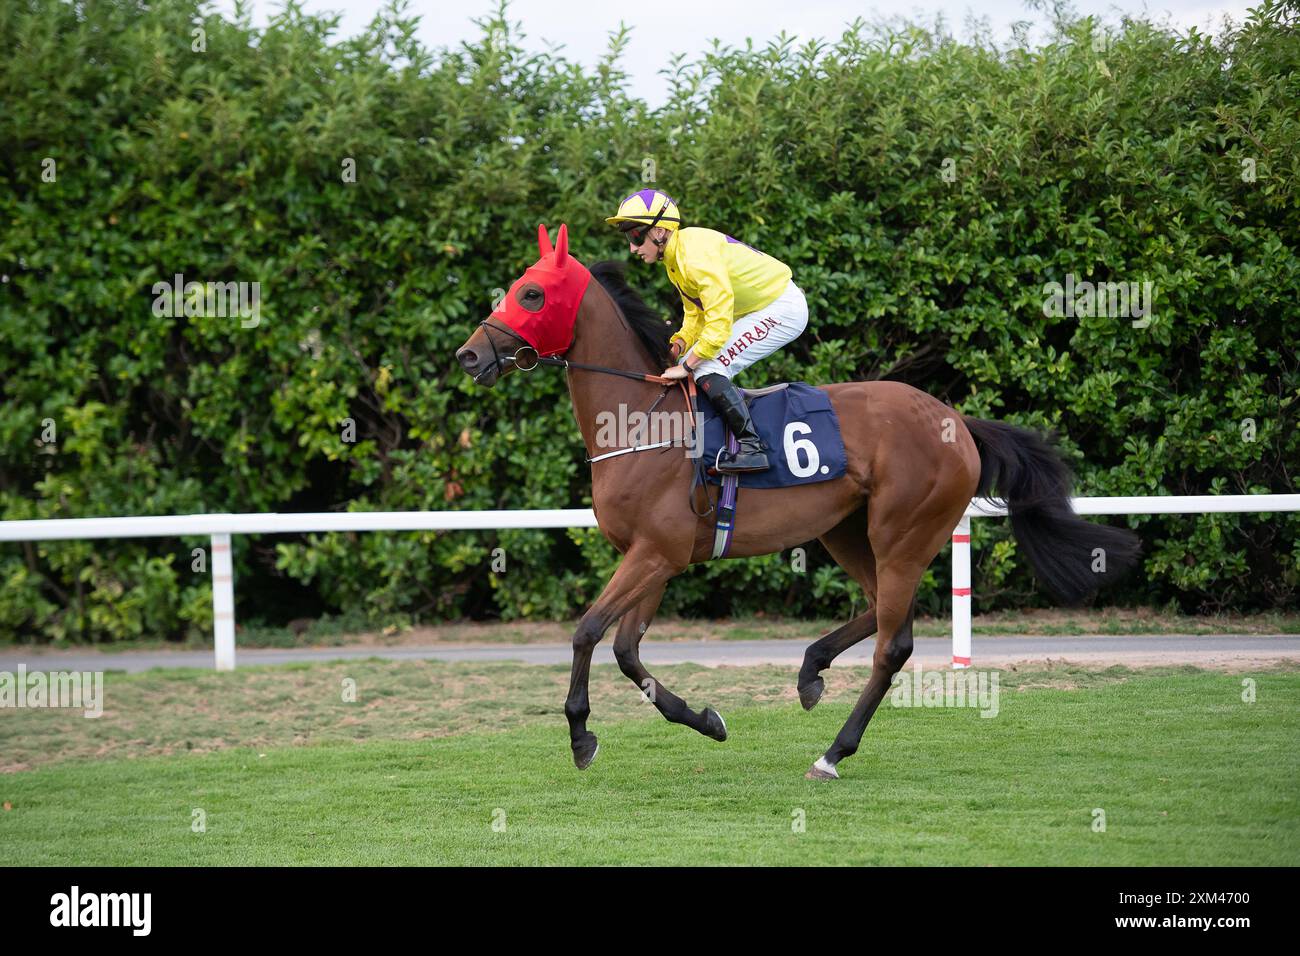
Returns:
(659,215)
(641,234)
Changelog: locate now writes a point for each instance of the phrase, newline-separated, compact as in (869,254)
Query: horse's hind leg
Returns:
(824,650)
(896,607)
(848,544)
(909,522)
(627,652)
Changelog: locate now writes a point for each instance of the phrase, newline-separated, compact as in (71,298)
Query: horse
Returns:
(913,466)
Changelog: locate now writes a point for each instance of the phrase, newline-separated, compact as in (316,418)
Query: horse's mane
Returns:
(649,326)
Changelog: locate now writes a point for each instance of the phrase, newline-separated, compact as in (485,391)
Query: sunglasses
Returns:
(635,232)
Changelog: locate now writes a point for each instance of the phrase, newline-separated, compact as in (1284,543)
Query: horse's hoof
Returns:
(714,725)
(585,752)
(822,770)
(811,692)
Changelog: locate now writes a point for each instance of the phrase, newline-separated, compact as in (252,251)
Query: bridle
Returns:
(498,363)
(527,354)
(525,358)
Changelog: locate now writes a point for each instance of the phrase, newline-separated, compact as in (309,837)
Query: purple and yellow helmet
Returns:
(646,209)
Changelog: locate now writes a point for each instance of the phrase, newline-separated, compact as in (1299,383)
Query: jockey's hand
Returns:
(675,372)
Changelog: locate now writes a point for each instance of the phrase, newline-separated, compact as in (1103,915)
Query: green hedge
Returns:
(923,190)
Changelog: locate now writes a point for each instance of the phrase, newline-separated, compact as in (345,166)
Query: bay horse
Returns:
(914,464)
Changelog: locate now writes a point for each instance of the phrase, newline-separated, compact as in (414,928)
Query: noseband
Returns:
(520,359)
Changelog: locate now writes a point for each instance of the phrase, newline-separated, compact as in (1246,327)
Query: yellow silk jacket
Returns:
(719,278)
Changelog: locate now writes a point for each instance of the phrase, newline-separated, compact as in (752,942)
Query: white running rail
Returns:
(220,528)
(1153,505)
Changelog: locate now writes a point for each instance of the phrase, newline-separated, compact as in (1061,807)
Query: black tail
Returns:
(1067,553)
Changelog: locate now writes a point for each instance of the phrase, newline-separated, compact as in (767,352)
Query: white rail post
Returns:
(961,595)
(223,602)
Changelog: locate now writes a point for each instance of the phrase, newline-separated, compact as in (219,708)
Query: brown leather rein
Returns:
(530,360)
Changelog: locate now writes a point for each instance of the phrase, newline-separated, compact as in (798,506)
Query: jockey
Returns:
(739,306)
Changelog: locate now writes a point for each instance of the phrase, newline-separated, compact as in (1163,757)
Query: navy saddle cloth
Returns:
(799,427)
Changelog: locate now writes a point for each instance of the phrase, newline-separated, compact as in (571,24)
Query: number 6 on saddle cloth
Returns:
(797,422)
(794,420)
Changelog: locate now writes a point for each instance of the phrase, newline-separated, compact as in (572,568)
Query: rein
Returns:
(499,361)
(687,385)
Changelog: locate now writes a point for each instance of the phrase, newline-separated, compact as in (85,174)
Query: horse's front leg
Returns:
(627,644)
(637,574)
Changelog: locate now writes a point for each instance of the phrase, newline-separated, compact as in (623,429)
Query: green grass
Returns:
(1185,771)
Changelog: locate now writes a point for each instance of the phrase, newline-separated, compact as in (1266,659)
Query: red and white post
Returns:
(223,602)
(961,596)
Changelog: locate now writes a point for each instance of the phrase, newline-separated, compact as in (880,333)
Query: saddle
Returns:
(796,421)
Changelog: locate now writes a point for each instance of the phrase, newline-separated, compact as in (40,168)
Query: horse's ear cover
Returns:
(563,280)
(562,246)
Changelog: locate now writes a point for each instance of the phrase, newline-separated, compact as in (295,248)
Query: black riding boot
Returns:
(731,406)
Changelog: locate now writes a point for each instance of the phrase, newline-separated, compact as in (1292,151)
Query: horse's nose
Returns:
(468,359)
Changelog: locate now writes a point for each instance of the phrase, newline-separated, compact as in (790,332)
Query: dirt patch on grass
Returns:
(190,711)
(1045,622)
(1042,622)
(1227,662)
